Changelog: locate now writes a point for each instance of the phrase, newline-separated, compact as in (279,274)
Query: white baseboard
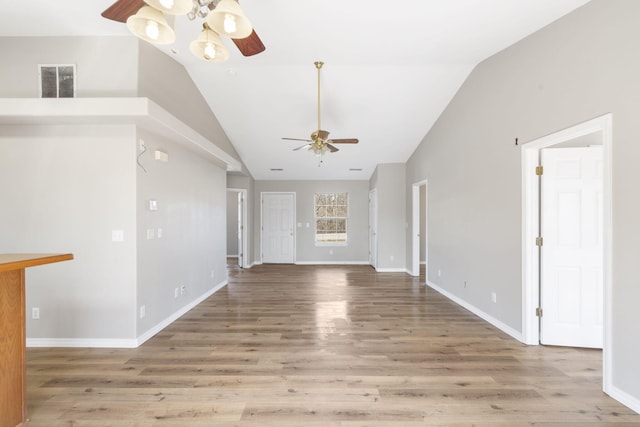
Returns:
(175,316)
(625,398)
(332,262)
(475,310)
(391,270)
(122,343)
(82,342)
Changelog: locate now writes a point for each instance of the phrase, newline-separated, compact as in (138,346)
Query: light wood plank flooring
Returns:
(287,345)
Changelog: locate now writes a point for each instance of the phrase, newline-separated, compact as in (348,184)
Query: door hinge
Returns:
(538,241)
(539,170)
(539,311)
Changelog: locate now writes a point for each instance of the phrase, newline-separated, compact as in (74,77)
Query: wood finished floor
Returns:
(322,346)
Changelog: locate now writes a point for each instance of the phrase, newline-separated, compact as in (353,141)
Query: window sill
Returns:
(331,244)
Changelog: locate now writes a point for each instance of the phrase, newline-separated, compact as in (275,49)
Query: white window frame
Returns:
(345,242)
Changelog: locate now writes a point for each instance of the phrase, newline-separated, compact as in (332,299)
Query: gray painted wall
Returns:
(78,183)
(580,67)
(190,192)
(70,187)
(105,66)
(357,250)
(174,90)
(388,179)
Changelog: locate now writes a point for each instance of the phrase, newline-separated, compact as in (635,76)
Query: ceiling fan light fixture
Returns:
(228,19)
(318,149)
(149,25)
(171,7)
(209,47)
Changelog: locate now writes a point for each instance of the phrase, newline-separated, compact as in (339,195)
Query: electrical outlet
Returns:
(183,289)
(143,311)
(35,313)
(439,273)
(141,145)
(494,297)
(175,293)
(213,274)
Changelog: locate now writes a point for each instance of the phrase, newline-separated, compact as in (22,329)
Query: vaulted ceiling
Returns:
(390,70)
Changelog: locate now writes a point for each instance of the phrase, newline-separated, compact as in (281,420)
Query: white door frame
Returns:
(415,227)
(531,217)
(245,229)
(294,231)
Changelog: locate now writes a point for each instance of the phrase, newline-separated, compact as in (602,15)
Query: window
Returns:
(331,218)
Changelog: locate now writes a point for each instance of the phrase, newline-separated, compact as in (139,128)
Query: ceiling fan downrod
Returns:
(319,65)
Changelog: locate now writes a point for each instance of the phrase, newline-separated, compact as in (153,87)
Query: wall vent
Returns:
(57,81)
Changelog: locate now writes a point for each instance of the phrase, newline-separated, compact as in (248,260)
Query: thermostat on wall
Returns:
(153,205)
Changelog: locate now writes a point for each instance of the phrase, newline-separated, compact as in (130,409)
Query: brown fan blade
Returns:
(331,147)
(122,9)
(345,141)
(248,46)
(251,45)
(297,139)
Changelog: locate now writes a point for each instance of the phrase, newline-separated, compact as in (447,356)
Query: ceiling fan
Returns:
(248,42)
(320,142)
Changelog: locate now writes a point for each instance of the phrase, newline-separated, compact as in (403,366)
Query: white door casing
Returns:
(278,228)
(603,126)
(571,291)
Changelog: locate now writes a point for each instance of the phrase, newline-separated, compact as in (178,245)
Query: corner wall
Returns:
(580,67)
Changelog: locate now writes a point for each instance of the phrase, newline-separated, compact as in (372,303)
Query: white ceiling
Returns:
(390,70)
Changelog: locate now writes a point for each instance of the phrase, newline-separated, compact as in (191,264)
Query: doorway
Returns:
(278,228)
(600,128)
(419,232)
(237,231)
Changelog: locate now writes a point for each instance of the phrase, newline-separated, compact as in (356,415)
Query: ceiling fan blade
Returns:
(122,9)
(297,139)
(331,147)
(301,147)
(345,141)
(251,45)
(248,46)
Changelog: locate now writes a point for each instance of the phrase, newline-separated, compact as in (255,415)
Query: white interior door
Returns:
(278,219)
(373,228)
(571,290)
